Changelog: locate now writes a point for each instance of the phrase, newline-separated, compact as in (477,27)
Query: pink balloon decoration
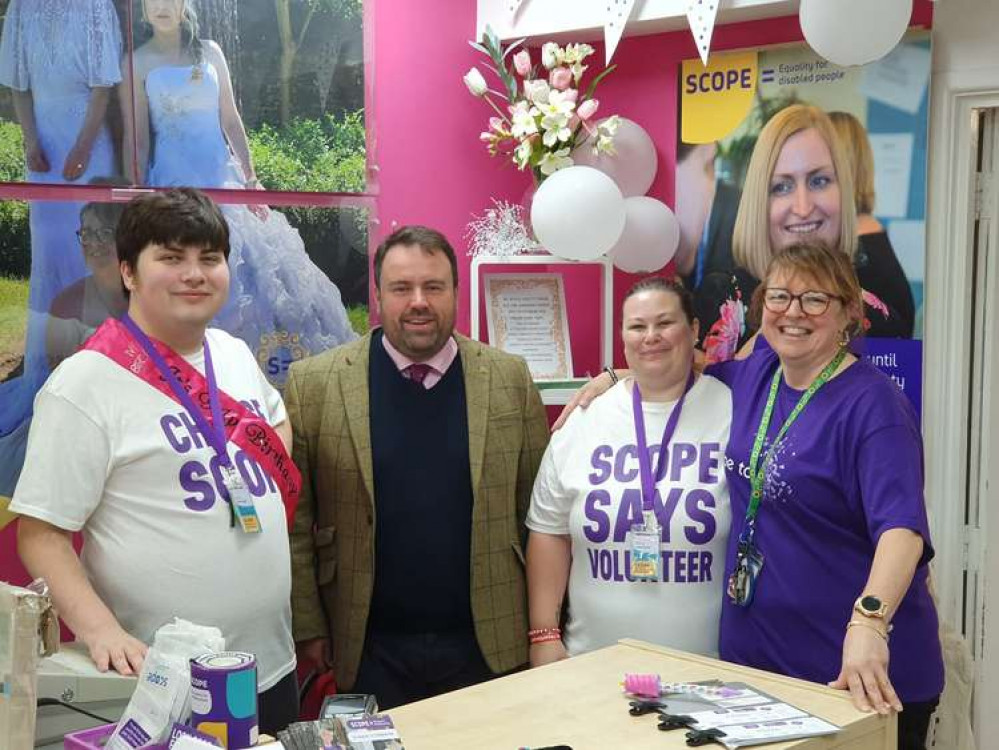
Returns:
(650,237)
(632,166)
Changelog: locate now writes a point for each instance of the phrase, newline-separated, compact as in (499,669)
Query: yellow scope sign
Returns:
(717,97)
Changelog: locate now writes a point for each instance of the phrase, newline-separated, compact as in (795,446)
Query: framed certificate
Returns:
(526,315)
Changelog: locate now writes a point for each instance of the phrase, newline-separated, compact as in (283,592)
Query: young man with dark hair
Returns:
(419,449)
(164,444)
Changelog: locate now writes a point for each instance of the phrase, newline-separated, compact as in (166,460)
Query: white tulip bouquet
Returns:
(545,115)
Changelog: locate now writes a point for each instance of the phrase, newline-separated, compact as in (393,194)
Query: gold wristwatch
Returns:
(871,606)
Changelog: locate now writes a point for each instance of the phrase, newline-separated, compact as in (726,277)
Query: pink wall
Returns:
(434,171)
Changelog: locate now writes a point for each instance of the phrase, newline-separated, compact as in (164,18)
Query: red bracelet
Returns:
(544,635)
(545,639)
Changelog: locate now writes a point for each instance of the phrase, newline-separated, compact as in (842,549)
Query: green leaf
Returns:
(479,47)
(597,80)
(492,37)
(513,46)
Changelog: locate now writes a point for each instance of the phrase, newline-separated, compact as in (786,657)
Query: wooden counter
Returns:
(578,702)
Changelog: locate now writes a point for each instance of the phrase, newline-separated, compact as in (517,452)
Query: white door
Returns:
(987,647)
(981,598)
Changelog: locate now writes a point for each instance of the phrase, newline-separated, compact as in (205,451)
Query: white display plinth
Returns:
(553,393)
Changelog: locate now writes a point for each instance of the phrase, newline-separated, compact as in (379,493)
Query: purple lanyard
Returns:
(215,432)
(644,461)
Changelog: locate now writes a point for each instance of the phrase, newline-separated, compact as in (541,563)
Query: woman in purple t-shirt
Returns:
(828,568)
(841,595)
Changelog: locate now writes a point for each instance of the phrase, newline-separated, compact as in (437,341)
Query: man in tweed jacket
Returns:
(418,449)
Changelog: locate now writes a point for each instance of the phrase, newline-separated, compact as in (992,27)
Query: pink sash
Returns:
(244,428)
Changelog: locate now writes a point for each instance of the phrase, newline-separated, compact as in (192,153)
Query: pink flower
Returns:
(570,95)
(587,109)
(875,302)
(522,63)
(722,340)
(560,78)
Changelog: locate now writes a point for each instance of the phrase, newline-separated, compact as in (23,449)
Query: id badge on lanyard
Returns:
(646,542)
(242,508)
(645,539)
(242,501)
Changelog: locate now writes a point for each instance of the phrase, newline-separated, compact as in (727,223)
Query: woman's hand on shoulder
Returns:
(864,671)
(547,653)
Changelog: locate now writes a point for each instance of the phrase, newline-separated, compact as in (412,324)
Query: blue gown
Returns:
(280,303)
(58,50)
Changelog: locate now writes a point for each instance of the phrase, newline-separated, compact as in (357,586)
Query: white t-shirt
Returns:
(110,455)
(589,488)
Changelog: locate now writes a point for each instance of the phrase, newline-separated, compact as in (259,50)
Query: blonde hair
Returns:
(823,265)
(751,236)
(857,146)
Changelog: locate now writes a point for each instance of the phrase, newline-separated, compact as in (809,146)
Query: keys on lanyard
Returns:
(748,564)
(748,558)
(241,506)
(645,539)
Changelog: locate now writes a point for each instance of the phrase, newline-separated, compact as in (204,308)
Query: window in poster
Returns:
(526,316)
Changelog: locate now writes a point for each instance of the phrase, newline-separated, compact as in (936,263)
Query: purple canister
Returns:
(224,697)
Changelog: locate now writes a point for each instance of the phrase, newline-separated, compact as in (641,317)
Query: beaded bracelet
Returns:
(544,635)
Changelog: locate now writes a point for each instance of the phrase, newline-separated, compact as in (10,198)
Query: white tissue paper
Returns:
(163,693)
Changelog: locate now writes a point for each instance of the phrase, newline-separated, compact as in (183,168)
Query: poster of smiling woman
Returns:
(778,146)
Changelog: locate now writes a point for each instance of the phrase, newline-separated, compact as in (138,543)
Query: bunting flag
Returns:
(513,6)
(701,17)
(618,14)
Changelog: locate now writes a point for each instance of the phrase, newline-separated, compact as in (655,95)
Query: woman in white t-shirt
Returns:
(638,545)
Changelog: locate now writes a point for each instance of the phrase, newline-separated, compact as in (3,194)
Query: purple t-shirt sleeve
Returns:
(890,472)
(727,372)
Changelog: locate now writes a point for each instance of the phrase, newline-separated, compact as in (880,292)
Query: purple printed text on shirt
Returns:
(205,482)
(684,506)
(685,462)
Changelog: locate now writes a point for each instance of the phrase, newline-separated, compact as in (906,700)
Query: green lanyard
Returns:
(756,472)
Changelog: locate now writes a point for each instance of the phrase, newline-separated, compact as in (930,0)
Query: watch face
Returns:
(870,603)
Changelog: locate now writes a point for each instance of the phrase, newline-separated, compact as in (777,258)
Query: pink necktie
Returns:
(418,372)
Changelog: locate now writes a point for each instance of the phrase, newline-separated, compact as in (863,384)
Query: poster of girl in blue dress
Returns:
(249,96)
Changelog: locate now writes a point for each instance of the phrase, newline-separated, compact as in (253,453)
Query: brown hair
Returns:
(857,147)
(671,286)
(179,216)
(430,240)
(827,267)
(751,236)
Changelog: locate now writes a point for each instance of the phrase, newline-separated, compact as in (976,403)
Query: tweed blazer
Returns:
(333,539)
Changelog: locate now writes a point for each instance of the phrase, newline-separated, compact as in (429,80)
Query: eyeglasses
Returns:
(91,236)
(778,300)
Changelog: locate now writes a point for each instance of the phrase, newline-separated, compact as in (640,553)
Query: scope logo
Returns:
(716,97)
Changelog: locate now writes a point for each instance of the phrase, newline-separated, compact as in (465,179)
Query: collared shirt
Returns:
(439,363)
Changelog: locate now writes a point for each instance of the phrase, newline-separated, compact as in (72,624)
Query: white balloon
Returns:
(578,213)
(633,164)
(854,32)
(650,237)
